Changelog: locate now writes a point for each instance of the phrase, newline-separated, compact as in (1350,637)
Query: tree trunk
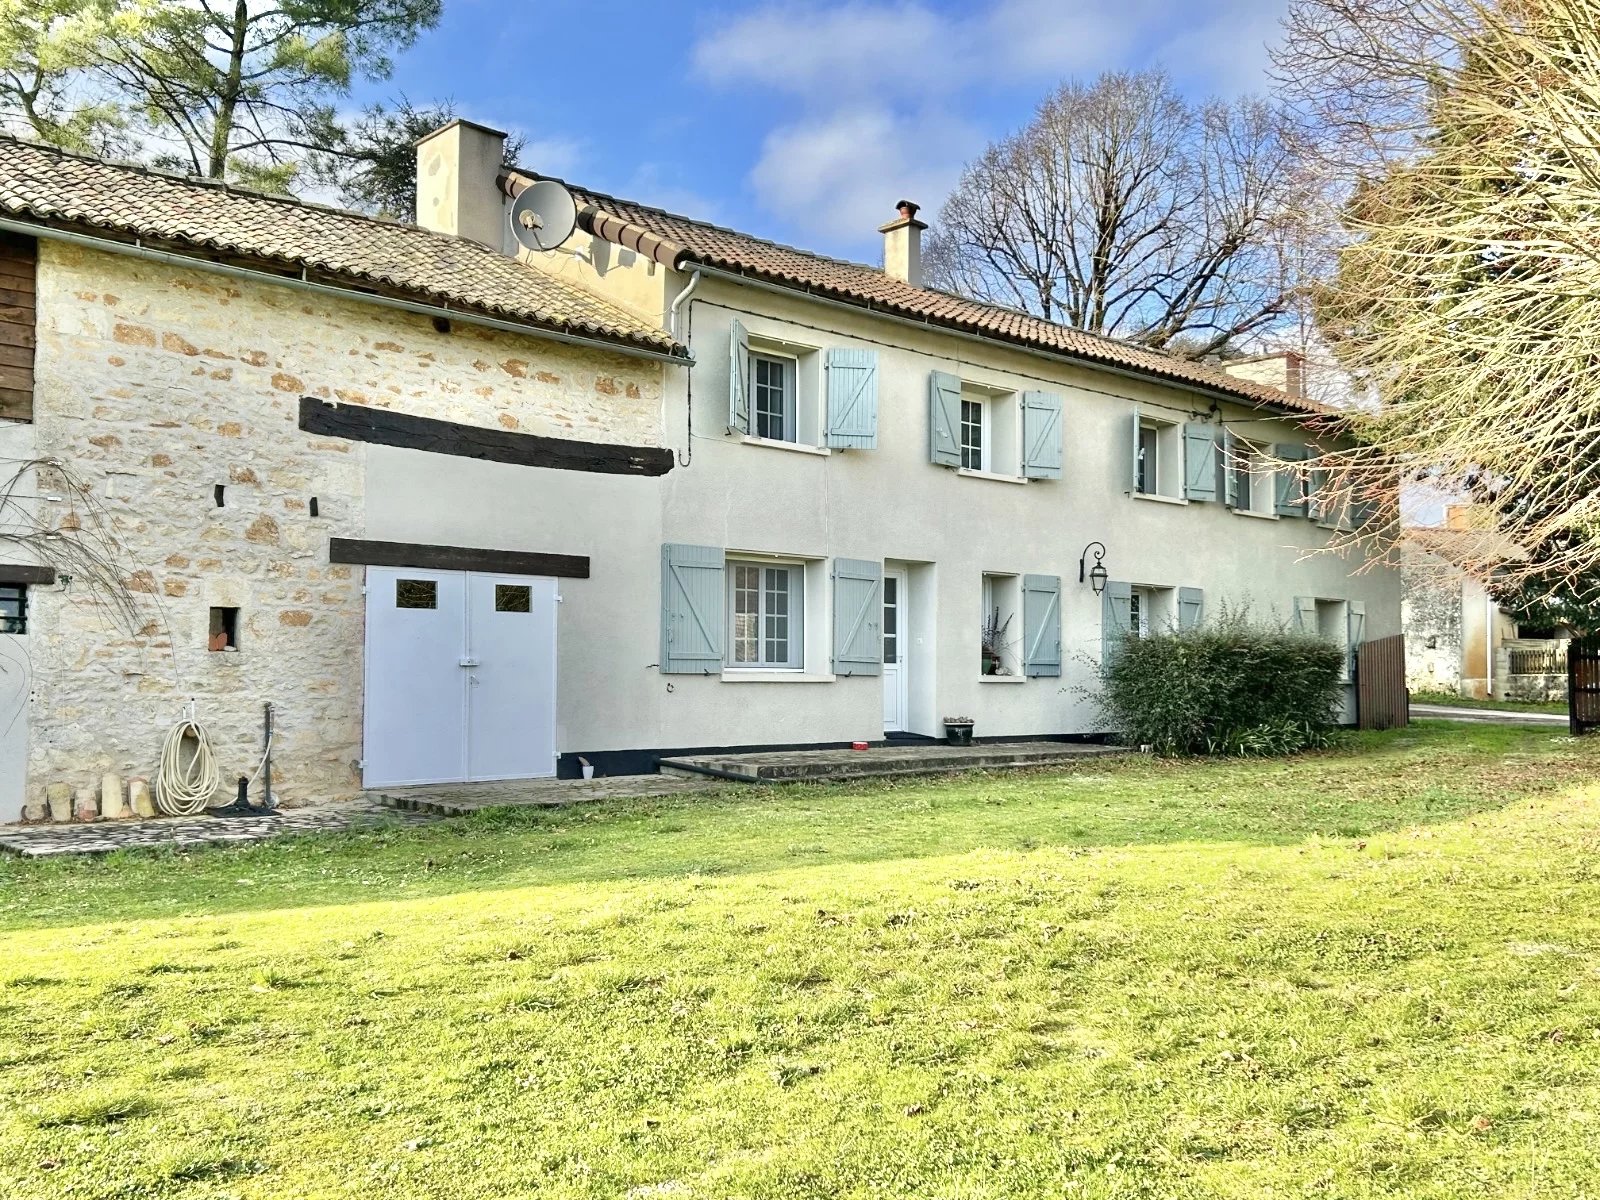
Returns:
(228,101)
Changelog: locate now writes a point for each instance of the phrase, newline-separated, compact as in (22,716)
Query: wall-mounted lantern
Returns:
(1097,574)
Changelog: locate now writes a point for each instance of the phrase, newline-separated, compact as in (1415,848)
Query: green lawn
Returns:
(1455,701)
(1373,972)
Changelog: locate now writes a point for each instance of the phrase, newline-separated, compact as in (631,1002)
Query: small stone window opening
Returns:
(313,506)
(14,608)
(224,629)
(217,494)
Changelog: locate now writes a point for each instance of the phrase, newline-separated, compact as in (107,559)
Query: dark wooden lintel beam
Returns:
(456,558)
(384,427)
(13,573)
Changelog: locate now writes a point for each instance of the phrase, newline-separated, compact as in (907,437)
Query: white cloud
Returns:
(551,156)
(839,176)
(879,86)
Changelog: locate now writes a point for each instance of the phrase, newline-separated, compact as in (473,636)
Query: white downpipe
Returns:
(677,301)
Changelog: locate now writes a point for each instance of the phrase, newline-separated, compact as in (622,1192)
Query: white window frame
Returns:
(1165,474)
(1003,590)
(1336,613)
(1253,462)
(791,390)
(795,634)
(985,427)
(1149,603)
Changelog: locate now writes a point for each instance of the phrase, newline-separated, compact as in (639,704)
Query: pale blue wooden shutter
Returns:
(857,617)
(1116,620)
(1228,468)
(1357,610)
(1290,494)
(1041,435)
(1199,461)
(1363,513)
(1041,625)
(1191,607)
(1305,614)
(692,598)
(944,419)
(738,379)
(852,399)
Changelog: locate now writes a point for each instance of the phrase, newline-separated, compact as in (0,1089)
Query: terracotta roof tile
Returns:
(50,185)
(715,246)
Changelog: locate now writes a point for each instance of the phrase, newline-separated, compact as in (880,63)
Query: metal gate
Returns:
(1382,701)
(1583,684)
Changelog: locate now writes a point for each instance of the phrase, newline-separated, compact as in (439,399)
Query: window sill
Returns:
(1002,679)
(1158,498)
(752,675)
(795,447)
(992,476)
(1245,512)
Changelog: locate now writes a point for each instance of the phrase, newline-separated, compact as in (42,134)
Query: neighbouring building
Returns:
(1458,638)
(459,510)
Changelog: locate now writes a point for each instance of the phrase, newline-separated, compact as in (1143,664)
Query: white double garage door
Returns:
(460,677)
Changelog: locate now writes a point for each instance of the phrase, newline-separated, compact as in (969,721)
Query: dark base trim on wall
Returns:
(647,762)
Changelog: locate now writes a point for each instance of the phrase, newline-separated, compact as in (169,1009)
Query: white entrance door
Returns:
(511,689)
(895,625)
(460,677)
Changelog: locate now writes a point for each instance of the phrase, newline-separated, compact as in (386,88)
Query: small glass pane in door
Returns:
(891,619)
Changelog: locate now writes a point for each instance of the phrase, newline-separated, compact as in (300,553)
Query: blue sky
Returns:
(802,121)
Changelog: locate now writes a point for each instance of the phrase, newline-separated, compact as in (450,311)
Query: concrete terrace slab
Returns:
(104,837)
(458,799)
(917,758)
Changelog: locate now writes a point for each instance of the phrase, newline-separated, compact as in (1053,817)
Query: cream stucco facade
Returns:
(173,393)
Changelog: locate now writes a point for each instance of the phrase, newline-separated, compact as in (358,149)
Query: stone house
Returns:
(1458,638)
(459,510)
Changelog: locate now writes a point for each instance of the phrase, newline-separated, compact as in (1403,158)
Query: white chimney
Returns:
(902,244)
(458,182)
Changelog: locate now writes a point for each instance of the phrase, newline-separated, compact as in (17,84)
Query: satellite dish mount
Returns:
(543,215)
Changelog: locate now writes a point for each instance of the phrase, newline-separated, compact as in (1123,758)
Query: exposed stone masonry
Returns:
(161,386)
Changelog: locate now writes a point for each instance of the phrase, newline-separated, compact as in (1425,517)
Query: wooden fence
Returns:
(1583,685)
(1382,701)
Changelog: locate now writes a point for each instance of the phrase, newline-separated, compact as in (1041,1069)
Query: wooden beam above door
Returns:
(366,553)
(384,427)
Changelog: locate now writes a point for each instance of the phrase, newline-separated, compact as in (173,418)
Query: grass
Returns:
(1455,701)
(1365,973)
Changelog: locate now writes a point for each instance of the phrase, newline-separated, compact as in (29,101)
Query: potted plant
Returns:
(994,643)
(958,731)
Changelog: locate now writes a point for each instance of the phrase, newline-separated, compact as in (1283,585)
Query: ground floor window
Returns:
(1333,623)
(1150,610)
(14,608)
(1001,633)
(766,604)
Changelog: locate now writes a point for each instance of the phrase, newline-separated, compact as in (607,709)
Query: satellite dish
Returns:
(543,216)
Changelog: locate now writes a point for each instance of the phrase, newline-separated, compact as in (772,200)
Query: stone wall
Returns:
(1430,616)
(159,386)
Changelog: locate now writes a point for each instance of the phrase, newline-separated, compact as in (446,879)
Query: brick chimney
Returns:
(458,182)
(902,244)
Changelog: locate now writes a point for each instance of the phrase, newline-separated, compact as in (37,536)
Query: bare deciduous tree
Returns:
(1121,208)
(1470,295)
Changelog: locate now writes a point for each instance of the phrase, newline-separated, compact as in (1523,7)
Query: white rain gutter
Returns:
(1074,359)
(439,312)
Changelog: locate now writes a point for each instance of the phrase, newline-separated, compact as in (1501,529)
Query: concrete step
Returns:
(927,758)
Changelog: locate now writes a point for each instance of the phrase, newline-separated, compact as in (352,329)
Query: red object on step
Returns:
(858,745)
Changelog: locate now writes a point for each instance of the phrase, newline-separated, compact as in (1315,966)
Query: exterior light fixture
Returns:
(1097,574)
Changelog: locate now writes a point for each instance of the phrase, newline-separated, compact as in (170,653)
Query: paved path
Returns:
(102,837)
(458,799)
(1493,716)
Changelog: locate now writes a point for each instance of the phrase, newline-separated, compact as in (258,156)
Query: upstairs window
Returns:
(1149,458)
(1157,457)
(773,397)
(974,445)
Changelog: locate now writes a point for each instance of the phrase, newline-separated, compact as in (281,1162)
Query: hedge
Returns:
(1230,687)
